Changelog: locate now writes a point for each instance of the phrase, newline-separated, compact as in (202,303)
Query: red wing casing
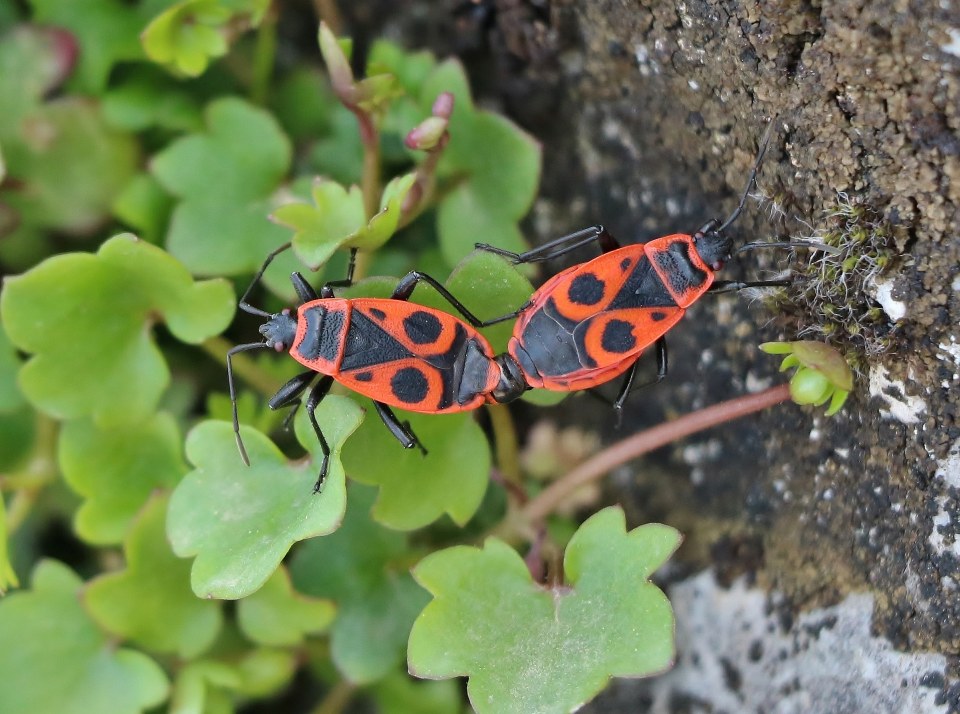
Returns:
(588,324)
(399,353)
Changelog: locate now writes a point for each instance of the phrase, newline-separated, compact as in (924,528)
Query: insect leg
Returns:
(400,430)
(244,305)
(726,286)
(316,395)
(661,347)
(559,246)
(347,281)
(305,291)
(409,281)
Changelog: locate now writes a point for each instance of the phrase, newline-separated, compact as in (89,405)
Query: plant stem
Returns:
(505,441)
(336,699)
(40,470)
(243,365)
(264,56)
(638,444)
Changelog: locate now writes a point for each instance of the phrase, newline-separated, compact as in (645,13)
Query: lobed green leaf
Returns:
(225,178)
(529,648)
(187,36)
(376,598)
(150,602)
(277,615)
(58,660)
(116,469)
(416,490)
(106,30)
(240,522)
(101,306)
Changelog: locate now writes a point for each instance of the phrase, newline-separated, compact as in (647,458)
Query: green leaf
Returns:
(144,206)
(199,688)
(397,693)
(101,306)
(225,178)
(276,615)
(8,576)
(150,602)
(116,470)
(33,62)
(415,490)
(188,35)
(107,31)
(337,219)
(10,397)
(502,160)
(148,98)
(530,648)
(463,220)
(68,165)
(265,671)
(240,522)
(383,225)
(303,102)
(58,660)
(495,166)
(376,599)
(410,68)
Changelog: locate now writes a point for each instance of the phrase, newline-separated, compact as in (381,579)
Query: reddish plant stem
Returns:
(638,444)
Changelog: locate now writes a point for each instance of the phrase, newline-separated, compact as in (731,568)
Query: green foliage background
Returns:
(152,153)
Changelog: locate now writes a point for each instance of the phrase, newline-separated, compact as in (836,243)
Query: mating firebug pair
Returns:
(585,326)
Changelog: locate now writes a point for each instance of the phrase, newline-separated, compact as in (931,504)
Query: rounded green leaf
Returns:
(199,688)
(503,162)
(240,521)
(376,599)
(116,470)
(415,490)
(226,177)
(10,396)
(101,306)
(69,165)
(277,615)
(398,693)
(57,660)
(529,648)
(8,576)
(265,671)
(106,30)
(150,602)
(463,220)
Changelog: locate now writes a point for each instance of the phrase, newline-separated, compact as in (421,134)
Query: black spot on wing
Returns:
(625,263)
(586,289)
(377,313)
(657,316)
(363,376)
(423,328)
(409,385)
(618,337)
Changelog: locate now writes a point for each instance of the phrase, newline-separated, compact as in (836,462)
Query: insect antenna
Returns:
(751,182)
(233,392)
